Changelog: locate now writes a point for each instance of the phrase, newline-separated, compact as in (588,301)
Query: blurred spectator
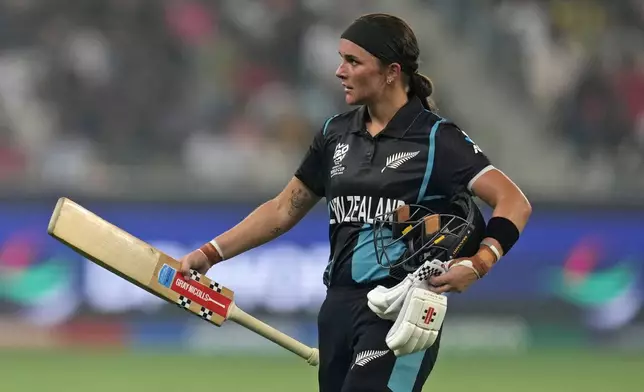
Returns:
(630,86)
(595,120)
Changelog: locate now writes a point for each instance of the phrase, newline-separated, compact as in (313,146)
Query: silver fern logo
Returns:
(365,357)
(394,161)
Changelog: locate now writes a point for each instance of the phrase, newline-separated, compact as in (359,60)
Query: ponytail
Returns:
(422,87)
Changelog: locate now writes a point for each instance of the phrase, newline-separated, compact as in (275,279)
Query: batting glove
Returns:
(419,322)
(387,302)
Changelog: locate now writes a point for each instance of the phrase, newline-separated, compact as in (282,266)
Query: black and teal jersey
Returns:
(419,158)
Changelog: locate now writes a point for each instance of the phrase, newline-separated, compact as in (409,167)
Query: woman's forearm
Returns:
(268,221)
(259,227)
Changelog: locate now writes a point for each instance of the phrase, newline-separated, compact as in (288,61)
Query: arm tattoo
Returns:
(299,199)
(277,231)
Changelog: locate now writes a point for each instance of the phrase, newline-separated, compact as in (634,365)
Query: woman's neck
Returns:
(382,111)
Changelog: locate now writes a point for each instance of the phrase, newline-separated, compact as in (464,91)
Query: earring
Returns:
(388,81)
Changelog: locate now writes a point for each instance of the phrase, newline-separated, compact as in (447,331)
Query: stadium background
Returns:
(175,118)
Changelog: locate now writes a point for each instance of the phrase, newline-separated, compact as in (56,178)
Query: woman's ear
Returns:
(394,71)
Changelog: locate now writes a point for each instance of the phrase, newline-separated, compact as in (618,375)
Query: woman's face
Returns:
(361,74)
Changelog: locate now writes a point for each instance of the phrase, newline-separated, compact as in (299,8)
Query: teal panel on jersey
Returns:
(406,368)
(430,160)
(364,265)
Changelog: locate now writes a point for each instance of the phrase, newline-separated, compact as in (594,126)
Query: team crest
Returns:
(339,154)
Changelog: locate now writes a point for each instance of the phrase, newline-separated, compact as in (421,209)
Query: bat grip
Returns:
(310,354)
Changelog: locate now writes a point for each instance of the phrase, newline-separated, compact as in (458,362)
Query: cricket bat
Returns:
(154,271)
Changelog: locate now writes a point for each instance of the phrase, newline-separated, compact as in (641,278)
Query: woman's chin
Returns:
(350,99)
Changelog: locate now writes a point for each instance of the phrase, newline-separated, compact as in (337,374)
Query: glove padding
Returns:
(419,322)
(387,302)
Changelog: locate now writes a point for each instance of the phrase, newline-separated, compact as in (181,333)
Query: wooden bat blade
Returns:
(147,267)
(138,262)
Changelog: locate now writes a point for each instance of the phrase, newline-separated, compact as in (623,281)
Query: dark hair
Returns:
(405,44)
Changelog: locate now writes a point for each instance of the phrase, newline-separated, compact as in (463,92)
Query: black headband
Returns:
(376,41)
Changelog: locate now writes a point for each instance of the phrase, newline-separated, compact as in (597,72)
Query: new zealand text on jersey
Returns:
(361,209)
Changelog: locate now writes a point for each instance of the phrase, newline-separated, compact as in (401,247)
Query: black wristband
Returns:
(504,231)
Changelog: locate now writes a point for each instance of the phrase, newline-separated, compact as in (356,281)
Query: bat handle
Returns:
(310,354)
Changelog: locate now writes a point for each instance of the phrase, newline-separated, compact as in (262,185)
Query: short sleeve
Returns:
(311,170)
(458,161)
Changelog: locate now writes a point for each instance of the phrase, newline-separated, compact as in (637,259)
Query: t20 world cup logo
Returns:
(339,154)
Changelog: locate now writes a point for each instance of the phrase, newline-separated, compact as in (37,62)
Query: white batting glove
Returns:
(387,302)
(418,323)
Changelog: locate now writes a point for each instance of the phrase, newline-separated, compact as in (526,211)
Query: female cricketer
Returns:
(391,150)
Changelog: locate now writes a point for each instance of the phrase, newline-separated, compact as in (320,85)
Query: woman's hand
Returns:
(195,260)
(461,274)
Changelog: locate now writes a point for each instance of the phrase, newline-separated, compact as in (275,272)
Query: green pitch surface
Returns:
(80,371)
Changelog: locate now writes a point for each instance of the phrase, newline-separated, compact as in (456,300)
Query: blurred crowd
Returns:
(218,87)
(231,91)
(579,63)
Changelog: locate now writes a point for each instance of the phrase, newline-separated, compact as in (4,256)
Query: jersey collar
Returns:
(399,124)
